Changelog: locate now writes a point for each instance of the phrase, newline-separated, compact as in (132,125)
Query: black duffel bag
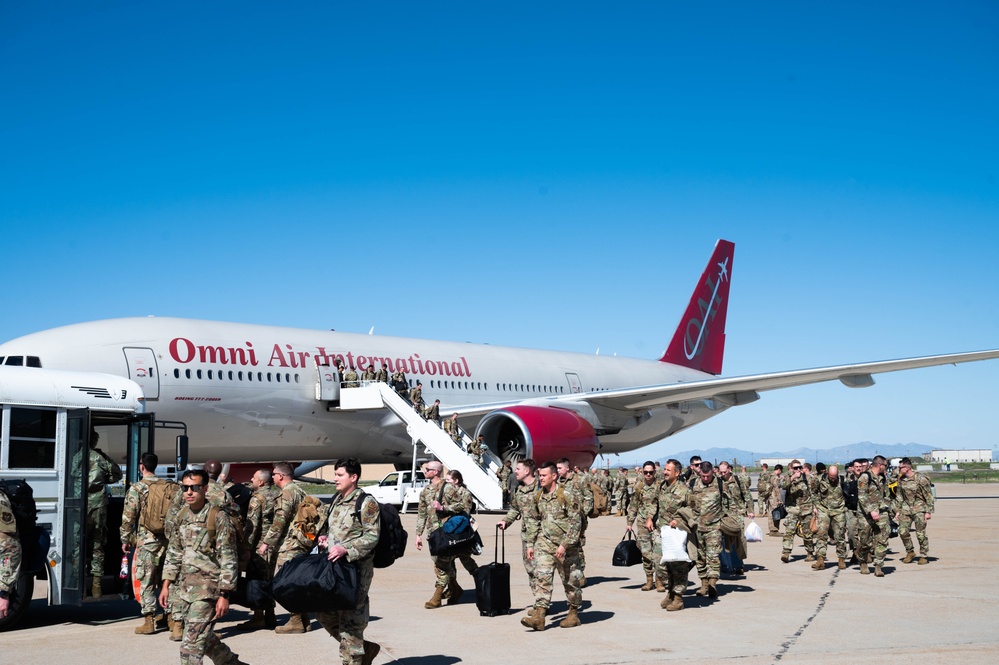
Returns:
(778,513)
(312,583)
(454,540)
(627,553)
(252,594)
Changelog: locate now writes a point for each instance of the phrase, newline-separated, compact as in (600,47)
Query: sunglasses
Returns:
(191,488)
(649,473)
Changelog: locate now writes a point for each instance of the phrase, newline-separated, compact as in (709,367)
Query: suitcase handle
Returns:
(499,537)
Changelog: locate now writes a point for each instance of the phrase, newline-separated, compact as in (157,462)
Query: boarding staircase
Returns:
(481,481)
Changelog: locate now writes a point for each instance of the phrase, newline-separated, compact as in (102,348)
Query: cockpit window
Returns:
(16,361)
(34,361)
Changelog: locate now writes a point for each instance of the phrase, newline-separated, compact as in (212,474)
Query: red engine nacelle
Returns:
(542,433)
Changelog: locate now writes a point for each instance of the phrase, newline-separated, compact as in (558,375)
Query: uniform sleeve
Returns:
(633,509)
(927,488)
(225,545)
(587,492)
(452,500)
(574,523)
(10,561)
(282,518)
(174,553)
(422,512)
(864,495)
(254,520)
(364,544)
(130,515)
(532,521)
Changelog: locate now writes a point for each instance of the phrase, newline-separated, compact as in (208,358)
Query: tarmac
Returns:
(943,612)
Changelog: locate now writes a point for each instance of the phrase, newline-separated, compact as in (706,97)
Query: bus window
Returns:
(32,439)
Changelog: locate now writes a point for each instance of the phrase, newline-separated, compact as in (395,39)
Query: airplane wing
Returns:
(734,391)
(744,389)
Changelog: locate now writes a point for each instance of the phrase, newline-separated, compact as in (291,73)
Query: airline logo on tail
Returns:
(699,340)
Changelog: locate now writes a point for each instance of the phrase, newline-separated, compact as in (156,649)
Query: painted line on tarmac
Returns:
(786,646)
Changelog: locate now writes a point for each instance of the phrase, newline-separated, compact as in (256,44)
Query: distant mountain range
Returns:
(838,454)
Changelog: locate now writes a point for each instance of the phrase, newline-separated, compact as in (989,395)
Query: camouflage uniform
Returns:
(872,495)
(468,501)
(350,379)
(10,547)
(763,486)
(259,517)
(555,519)
(504,479)
(620,490)
(451,427)
(475,451)
(148,549)
(831,517)
(433,412)
(358,532)
(739,505)
(520,504)
(416,396)
(776,499)
(673,502)
(368,374)
(382,375)
(429,520)
(201,567)
(708,502)
(798,501)
(913,500)
(281,535)
(577,485)
(101,471)
(643,506)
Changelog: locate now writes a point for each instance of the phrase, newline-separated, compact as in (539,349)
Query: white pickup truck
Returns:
(392,488)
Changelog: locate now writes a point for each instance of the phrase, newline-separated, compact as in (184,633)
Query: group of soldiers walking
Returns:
(858,510)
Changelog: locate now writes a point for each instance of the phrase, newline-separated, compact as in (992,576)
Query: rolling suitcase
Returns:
(492,583)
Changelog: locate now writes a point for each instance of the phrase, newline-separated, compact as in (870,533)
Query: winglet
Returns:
(699,340)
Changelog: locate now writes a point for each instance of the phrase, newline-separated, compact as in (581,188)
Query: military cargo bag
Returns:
(313,583)
(627,553)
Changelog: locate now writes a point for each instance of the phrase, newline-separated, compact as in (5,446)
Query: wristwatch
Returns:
(4,594)
(224,594)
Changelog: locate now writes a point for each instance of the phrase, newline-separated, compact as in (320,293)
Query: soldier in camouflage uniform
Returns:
(475,449)
(913,508)
(830,513)
(620,489)
(368,374)
(203,563)
(740,502)
(350,378)
(873,529)
(798,501)
(504,474)
(673,508)
(763,495)
(438,501)
(148,548)
(575,480)
(10,554)
(520,504)
(643,508)
(553,526)
(101,471)
(709,503)
(353,534)
(451,427)
(455,478)
(433,412)
(259,517)
(284,537)
(382,375)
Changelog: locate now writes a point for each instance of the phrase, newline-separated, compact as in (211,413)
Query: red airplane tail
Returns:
(699,340)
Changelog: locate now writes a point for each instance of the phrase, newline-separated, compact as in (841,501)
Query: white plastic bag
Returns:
(754,534)
(674,545)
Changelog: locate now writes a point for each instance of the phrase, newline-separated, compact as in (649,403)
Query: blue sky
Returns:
(547,175)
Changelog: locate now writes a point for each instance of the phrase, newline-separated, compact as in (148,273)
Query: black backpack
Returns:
(22,502)
(851,496)
(393,537)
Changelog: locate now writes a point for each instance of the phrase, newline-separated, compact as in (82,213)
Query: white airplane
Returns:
(248,393)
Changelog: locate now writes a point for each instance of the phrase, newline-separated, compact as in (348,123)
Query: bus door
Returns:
(141,439)
(74,513)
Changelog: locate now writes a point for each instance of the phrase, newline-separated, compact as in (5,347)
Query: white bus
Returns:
(46,420)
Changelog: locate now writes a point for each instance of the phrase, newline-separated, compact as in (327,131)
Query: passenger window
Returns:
(187,373)
(210,374)
(176,373)
(32,439)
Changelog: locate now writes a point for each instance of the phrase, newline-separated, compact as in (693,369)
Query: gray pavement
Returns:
(778,613)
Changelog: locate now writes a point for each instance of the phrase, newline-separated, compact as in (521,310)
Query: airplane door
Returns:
(574,385)
(142,369)
(74,515)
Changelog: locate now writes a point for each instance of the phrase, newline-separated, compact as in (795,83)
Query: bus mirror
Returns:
(182,444)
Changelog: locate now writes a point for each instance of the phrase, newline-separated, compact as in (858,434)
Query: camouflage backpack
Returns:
(159,497)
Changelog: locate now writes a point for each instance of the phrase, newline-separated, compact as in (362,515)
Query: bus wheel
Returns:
(19,601)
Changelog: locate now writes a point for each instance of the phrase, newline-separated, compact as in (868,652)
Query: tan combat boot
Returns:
(820,563)
(95,587)
(536,620)
(148,626)
(659,586)
(675,603)
(785,557)
(809,557)
(712,589)
(922,561)
(878,572)
(371,650)
(841,564)
(864,570)
(648,583)
(177,631)
(703,591)
(909,556)
(572,619)
(295,626)
(435,602)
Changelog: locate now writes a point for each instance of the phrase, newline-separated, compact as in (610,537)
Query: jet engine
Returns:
(543,433)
